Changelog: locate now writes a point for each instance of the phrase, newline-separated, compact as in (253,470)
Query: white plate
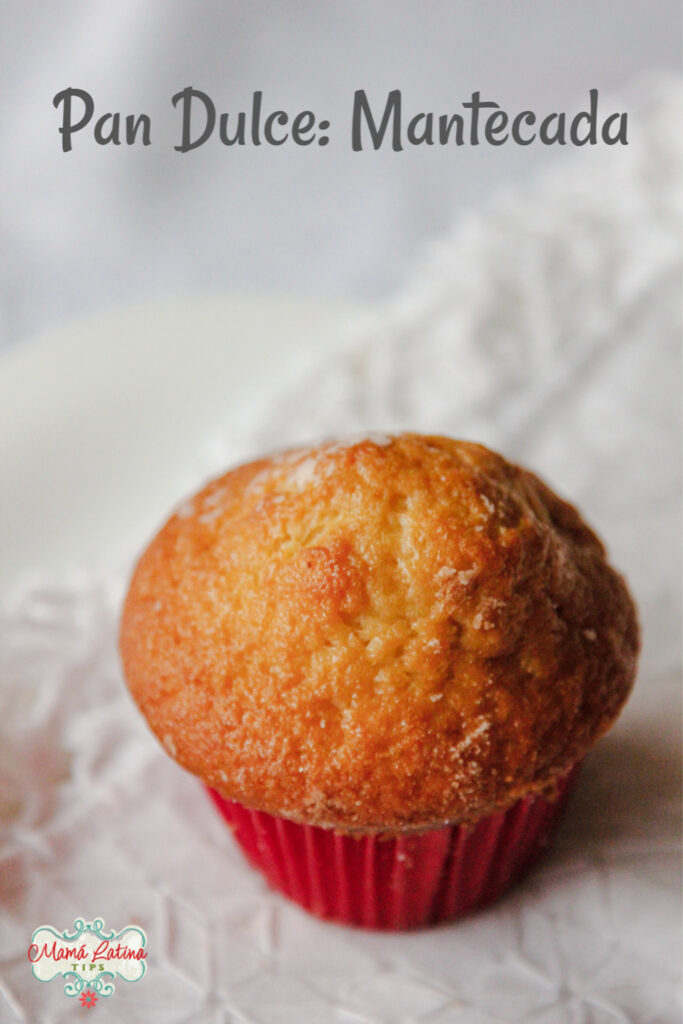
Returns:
(101,421)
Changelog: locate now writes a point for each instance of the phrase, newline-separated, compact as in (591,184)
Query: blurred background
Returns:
(103,226)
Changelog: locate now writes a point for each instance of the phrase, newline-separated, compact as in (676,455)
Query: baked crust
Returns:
(379,635)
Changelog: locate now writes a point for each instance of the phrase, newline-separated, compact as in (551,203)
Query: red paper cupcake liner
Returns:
(397,882)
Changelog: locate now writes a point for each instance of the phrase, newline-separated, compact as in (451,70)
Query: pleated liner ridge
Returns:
(397,882)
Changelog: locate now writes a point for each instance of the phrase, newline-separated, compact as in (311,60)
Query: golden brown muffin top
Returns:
(379,635)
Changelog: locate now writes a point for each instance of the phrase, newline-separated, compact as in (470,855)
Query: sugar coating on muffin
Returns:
(379,634)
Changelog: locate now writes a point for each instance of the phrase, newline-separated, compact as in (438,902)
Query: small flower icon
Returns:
(88,998)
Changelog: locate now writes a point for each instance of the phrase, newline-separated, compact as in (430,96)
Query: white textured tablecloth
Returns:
(548,328)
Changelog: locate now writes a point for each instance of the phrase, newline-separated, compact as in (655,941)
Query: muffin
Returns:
(385,659)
